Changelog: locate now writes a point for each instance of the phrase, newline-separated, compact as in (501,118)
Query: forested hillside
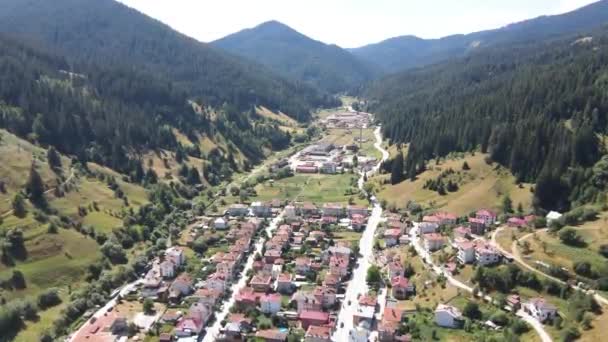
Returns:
(294,55)
(405,52)
(540,109)
(107,32)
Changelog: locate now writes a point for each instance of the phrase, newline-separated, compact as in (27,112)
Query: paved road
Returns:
(214,330)
(516,255)
(358,285)
(425,255)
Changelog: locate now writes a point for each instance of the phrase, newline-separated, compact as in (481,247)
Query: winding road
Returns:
(428,261)
(516,255)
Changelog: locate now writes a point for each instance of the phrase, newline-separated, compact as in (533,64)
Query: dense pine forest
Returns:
(108,32)
(539,109)
(296,56)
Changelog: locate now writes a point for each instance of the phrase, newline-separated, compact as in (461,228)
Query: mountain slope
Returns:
(108,32)
(292,54)
(537,108)
(406,52)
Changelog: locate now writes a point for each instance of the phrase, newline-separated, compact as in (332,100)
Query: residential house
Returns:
(238,209)
(331,280)
(167,269)
(357,210)
(308,209)
(246,299)
(261,209)
(217,281)
(339,265)
(462,232)
(325,295)
(284,283)
(448,316)
(261,282)
(364,314)
(488,216)
(358,222)
(302,266)
(433,241)
(271,335)
(401,287)
(290,212)
(207,296)
(360,333)
(514,302)
(368,300)
(317,333)
(466,252)
(517,222)
(540,309)
(395,269)
(478,225)
(387,331)
(485,254)
(270,303)
(333,209)
(182,286)
(552,216)
(271,255)
(220,223)
(306,302)
(188,326)
(391,237)
(175,255)
(428,227)
(308,318)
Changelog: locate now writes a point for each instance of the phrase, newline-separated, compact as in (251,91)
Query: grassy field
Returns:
(54,260)
(311,188)
(548,247)
(16,157)
(57,260)
(482,186)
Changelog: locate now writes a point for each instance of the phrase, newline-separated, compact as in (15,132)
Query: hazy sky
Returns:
(348,23)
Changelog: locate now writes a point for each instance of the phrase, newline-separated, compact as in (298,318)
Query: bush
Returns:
(570,334)
(571,237)
(48,299)
(471,310)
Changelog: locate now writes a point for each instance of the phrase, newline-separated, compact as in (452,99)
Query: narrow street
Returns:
(358,284)
(214,330)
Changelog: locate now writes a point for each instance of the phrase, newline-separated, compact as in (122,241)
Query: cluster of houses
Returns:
(284,277)
(330,159)
(348,120)
(164,284)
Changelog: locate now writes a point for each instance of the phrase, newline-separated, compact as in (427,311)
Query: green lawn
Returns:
(311,188)
(53,261)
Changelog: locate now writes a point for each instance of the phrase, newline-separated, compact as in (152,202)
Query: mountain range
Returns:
(405,52)
(296,56)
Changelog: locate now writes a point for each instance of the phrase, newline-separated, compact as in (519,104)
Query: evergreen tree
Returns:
(397,169)
(507,205)
(35,186)
(19,205)
(54,159)
(18,280)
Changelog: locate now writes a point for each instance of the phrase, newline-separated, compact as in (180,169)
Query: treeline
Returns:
(536,108)
(108,32)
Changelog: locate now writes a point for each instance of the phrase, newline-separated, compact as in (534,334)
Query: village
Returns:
(291,270)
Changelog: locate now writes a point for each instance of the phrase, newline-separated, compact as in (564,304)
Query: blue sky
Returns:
(348,23)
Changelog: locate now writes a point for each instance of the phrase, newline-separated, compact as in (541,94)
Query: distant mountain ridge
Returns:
(299,57)
(407,52)
(105,31)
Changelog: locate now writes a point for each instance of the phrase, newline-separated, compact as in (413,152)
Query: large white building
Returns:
(540,309)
